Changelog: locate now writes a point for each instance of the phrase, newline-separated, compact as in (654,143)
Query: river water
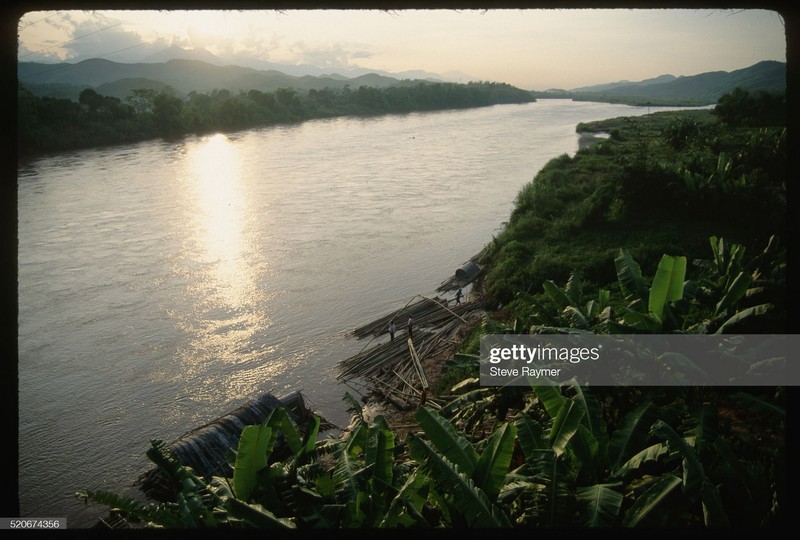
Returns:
(163,284)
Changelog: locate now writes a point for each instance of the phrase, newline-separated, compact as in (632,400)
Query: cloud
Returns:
(73,38)
(334,55)
(102,41)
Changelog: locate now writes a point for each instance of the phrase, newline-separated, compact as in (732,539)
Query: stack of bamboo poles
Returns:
(426,312)
(394,369)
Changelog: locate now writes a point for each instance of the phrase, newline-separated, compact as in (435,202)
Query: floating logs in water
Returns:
(205,448)
(426,312)
(395,369)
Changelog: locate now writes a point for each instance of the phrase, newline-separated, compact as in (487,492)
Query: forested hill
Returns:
(183,76)
(702,89)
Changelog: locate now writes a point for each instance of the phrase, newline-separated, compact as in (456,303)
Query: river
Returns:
(163,284)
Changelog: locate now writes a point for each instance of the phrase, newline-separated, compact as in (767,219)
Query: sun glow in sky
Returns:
(534,49)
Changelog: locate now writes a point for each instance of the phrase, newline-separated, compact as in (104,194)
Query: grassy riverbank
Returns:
(693,195)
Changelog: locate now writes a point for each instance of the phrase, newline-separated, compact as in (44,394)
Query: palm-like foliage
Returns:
(730,290)
(557,463)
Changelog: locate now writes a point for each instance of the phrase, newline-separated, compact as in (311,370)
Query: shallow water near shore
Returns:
(163,284)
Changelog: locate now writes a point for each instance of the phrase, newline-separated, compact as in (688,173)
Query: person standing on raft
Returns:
(392,329)
(410,325)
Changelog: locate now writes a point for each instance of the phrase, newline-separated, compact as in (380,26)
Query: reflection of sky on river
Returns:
(216,170)
(225,308)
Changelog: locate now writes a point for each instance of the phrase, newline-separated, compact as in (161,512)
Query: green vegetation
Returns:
(672,224)
(47,124)
(658,184)
(566,457)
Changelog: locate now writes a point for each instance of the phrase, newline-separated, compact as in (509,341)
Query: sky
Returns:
(534,49)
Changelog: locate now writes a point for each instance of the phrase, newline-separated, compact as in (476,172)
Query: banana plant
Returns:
(645,473)
(565,454)
(648,307)
(357,487)
(575,310)
(730,281)
(199,502)
(468,482)
(661,305)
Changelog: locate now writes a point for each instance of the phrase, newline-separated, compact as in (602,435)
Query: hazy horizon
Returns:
(534,49)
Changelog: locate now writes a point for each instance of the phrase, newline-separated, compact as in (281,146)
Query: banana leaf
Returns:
(713,513)
(652,453)
(667,284)
(703,426)
(738,317)
(136,511)
(451,443)
(629,275)
(693,473)
(255,515)
(406,506)
(550,397)
(647,507)
(280,420)
(565,425)
(600,504)
(574,289)
(349,468)
(734,292)
(585,448)
(559,297)
(466,498)
(255,445)
(493,464)
(380,452)
(593,420)
(631,435)
(529,435)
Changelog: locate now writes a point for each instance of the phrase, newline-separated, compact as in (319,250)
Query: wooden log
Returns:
(417,364)
(399,403)
(411,386)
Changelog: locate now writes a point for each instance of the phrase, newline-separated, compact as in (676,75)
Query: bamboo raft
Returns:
(205,448)
(427,312)
(394,369)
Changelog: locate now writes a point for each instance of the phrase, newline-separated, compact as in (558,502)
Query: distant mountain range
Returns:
(202,72)
(621,84)
(182,75)
(298,70)
(708,87)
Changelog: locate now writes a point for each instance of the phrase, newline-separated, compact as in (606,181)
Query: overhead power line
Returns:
(71,40)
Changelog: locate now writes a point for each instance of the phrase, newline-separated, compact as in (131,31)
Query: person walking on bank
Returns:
(410,325)
(459,294)
(392,329)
